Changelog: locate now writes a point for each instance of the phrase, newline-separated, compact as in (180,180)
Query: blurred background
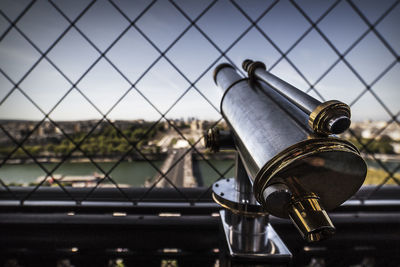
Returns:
(118,93)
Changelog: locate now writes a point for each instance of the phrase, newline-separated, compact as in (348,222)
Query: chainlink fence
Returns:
(318,47)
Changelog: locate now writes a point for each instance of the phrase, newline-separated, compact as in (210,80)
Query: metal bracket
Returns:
(248,234)
(270,249)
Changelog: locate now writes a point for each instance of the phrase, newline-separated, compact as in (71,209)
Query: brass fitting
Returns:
(330,117)
(216,140)
(310,218)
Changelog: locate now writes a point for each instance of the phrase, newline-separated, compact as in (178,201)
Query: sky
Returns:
(153,44)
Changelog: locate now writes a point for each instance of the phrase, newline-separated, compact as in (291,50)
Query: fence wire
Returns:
(251,21)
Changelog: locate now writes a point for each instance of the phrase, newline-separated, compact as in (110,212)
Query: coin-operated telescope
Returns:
(289,162)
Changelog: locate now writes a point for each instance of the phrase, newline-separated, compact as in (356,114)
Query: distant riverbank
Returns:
(129,158)
(133,173)
(82,159)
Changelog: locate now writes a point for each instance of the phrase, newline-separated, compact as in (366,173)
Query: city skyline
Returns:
(132,54)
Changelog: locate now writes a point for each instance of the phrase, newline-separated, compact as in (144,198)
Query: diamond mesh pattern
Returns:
(163,43)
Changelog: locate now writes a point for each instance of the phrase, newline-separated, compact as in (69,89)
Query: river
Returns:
(131,173)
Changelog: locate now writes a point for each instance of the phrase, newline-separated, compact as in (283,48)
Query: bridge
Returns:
(179,158)
(181,175)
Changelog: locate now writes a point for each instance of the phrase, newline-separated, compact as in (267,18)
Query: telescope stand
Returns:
(250,239)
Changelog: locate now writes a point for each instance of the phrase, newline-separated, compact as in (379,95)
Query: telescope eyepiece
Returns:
(310,218)
(338,125)
(331,117)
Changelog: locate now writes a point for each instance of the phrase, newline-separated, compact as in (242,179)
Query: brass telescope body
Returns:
(296,171)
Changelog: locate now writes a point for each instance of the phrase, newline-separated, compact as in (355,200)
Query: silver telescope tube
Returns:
(331,117)
(295,173)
